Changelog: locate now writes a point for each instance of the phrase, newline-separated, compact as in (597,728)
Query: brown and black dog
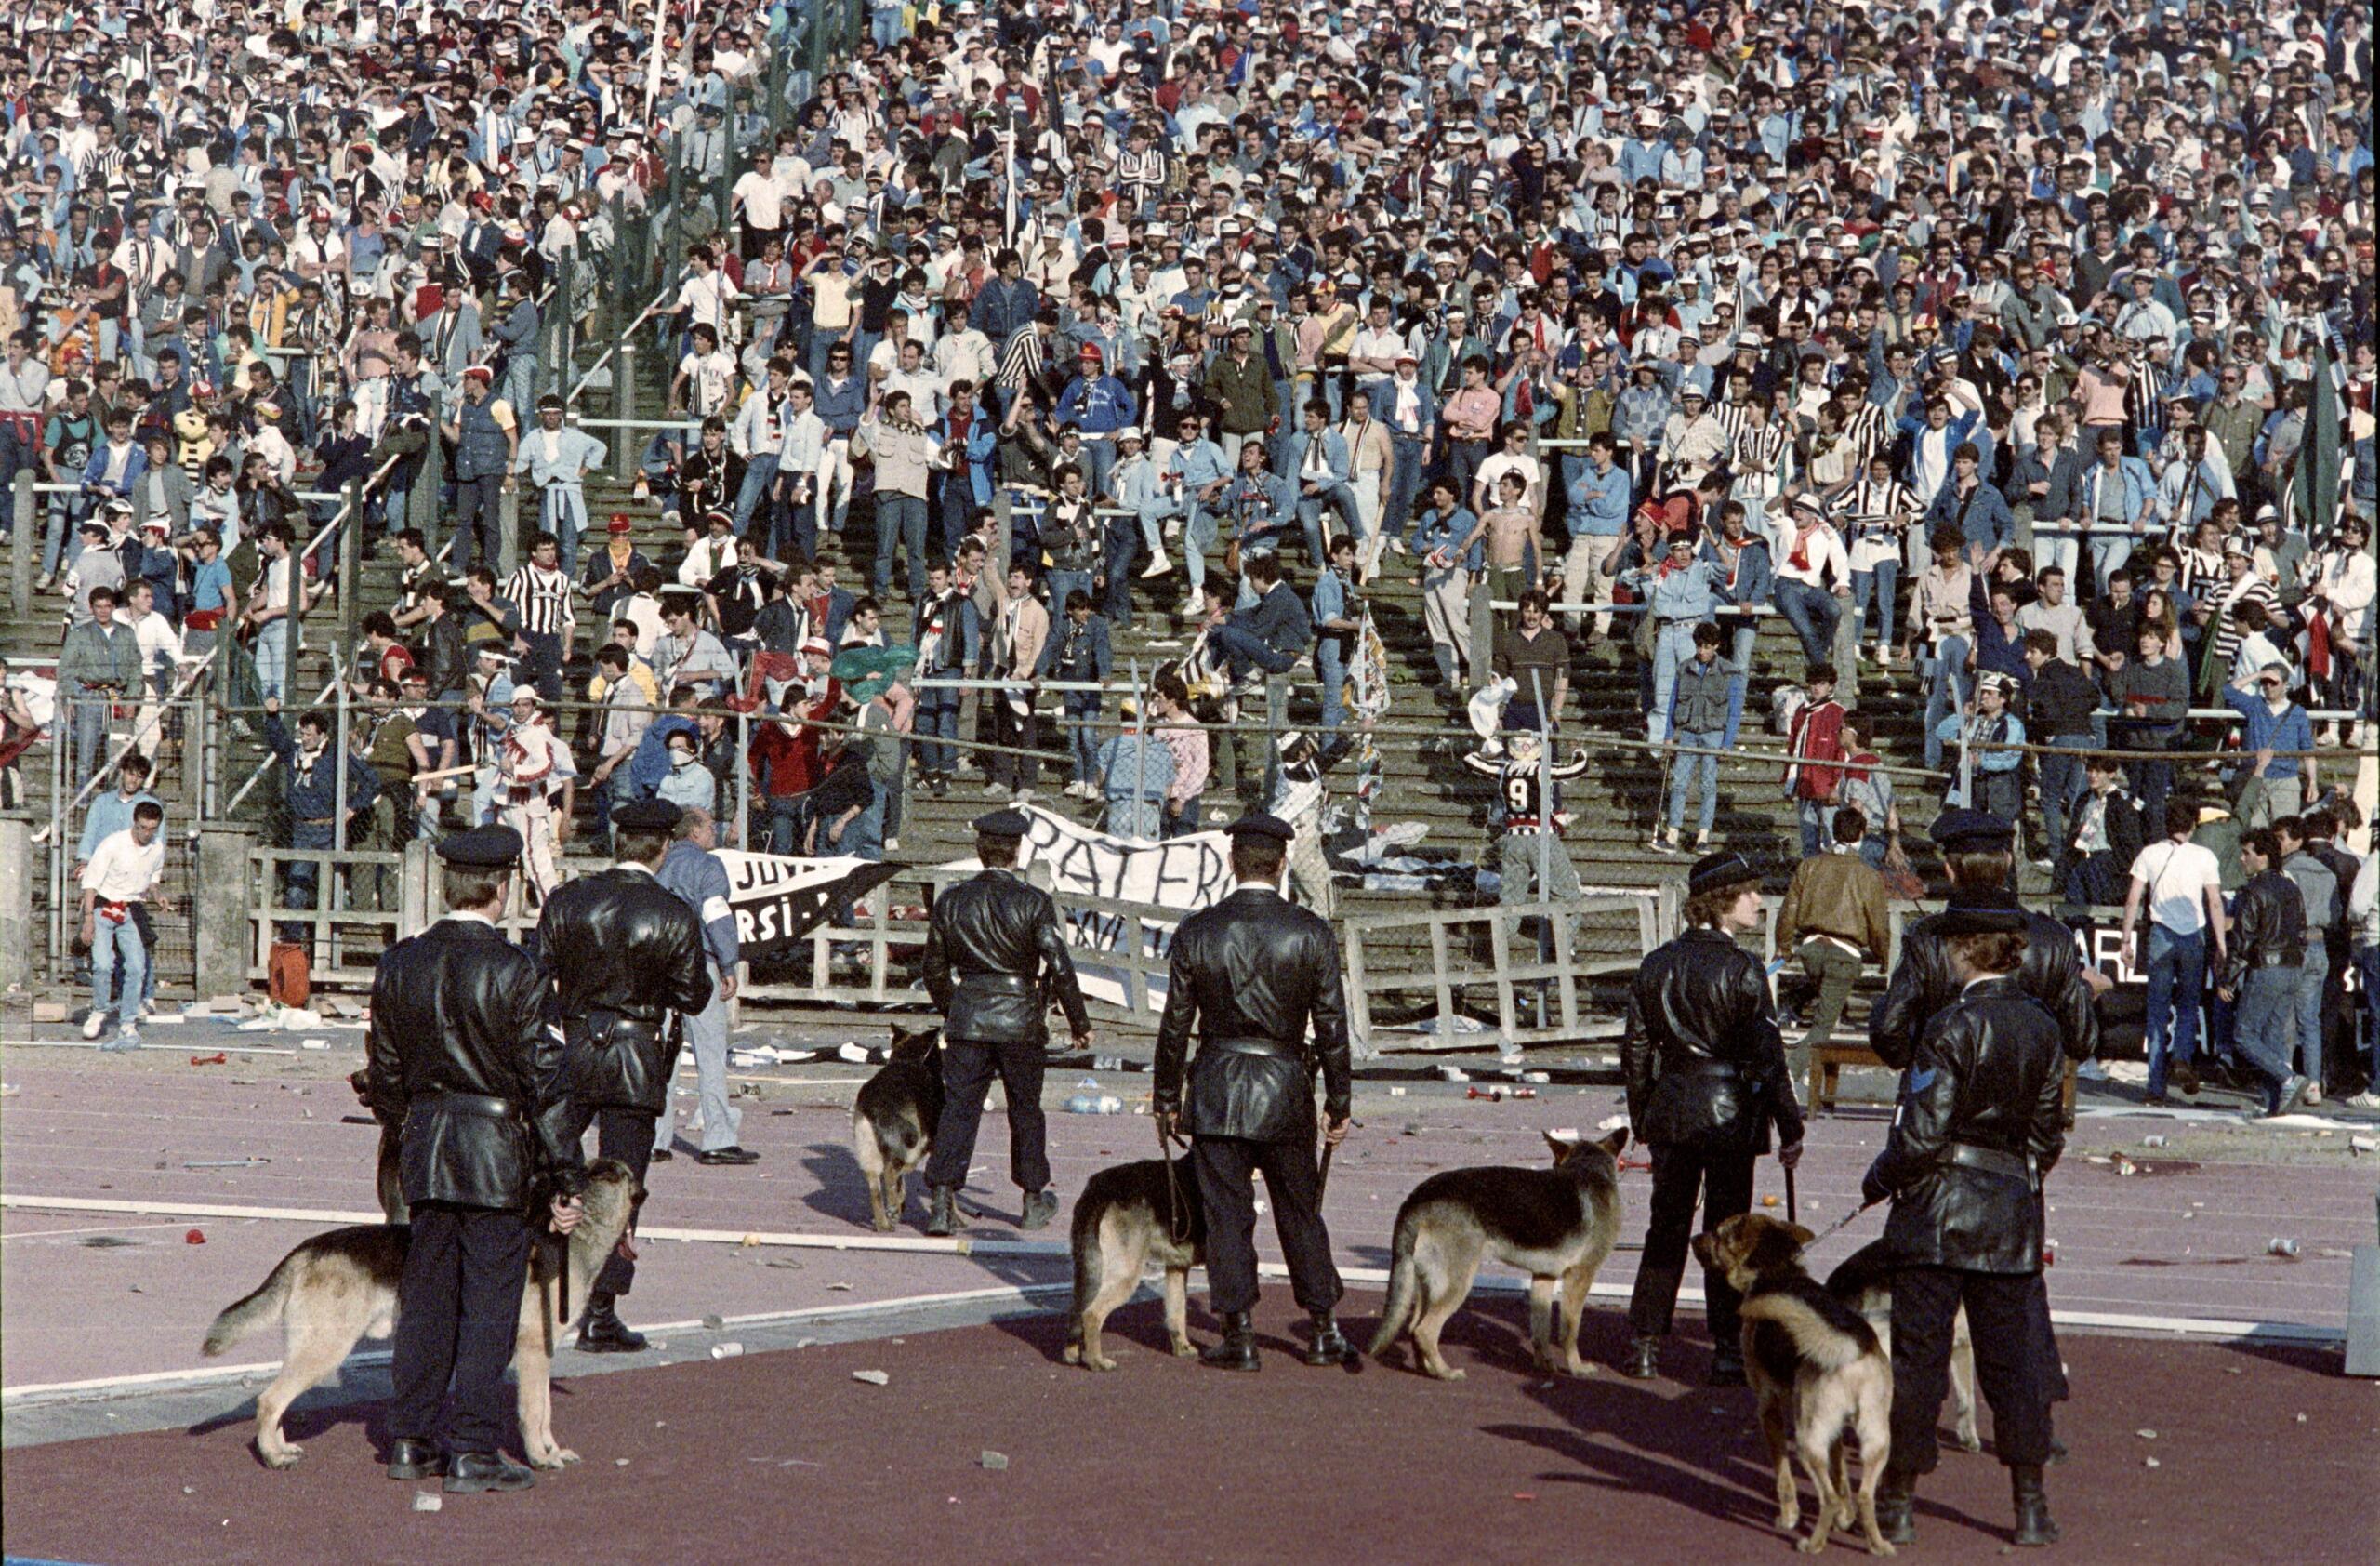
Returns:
(1818,1369)
(894,1121)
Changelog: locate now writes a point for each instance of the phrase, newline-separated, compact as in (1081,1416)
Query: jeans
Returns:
(112,942)
(1743,630)
(2312,977)
(2177,966)
(1404,484)
(2263,1026)
(759,477)
(1083,739)
(863,838)
(902,518)
(1330,666)
(1817,821)
(2061,779)
(1875,586)
(1814,613)
(937,721)
(1946,692)
(2151,781)
(475,522)
(1142,817)
(1836,971)
(1063,583)
(1123,553)
(1696,772)
(2367,969)
(1672,647)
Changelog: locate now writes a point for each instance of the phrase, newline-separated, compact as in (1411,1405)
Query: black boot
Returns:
(2034,1526)
(944,1218)
(1237,1350)
(1727,1368)
(1330,1346)
(416,1459)
(602,1331)
(1039,1208)
(1897,1508)
(1644,1360)
(477,1472)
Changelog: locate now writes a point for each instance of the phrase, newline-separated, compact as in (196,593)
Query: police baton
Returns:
(1793,1198)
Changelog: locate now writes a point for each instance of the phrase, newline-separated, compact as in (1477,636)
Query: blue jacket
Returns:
(1384,407)
(840,408)
(1598,502)
(1098,405)
(1984,516)
(2288,730)
(110,813)
(1755,573)
(1072,653)
(700,880)
(1334,456)
(313,790)
(650,763)
(1690,594)
(1432,532)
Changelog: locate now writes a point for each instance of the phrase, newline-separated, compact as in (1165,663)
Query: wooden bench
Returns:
(1827,1062)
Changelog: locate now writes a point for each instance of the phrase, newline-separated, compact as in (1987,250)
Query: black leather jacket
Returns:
(2267,928)
(625,951)
(459,1056)
(1923,984)
(987,946)
(1980,1121)
(1701,1055)
(1251,973)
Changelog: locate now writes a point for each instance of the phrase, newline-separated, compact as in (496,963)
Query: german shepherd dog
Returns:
(894,1121)
(1864,1282)
(1126,1217)
(387,1183)
(1818,1370)
(1558,1225)
(335,1288)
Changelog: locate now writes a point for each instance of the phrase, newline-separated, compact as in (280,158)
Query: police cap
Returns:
(648,815)
(1972,831)
(1713,872)
(1003,823)
(1257,823)
(482,848)
(1977,912)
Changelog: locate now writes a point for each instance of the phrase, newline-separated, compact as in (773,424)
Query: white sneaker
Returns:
(95,1024)
(890,843)
(127,1038)
(1160,566)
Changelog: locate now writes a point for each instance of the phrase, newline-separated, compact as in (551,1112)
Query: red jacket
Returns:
(1815,736)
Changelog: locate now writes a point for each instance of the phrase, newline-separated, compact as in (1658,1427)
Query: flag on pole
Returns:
(2316,489)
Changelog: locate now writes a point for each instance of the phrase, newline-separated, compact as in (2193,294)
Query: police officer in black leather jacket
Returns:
(1253,974)
(1979,1122)
(1978,853)
(1978,850)
(1706,1075)
(459,1056)
(625,953)
(994,952)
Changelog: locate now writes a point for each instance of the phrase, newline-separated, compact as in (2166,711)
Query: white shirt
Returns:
(159,642)
(122,869)
(2178,876)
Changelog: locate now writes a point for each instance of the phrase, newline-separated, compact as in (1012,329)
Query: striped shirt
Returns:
(1869,431)
(1025,358)
(1758,456)
(544,600)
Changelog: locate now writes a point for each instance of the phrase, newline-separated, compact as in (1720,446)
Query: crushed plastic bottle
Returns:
(1094,1104)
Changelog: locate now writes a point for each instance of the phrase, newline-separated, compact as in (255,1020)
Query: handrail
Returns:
(626,332)
(273,758)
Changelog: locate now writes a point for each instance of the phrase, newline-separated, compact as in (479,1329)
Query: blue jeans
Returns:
(2061,784)
(1877,587)
(1188,822)
(2367,968)
(2108,553)
(1817,821)
(2310,980)
(1746,631)
(1082,739)
(1061,584)
(113,943)
(759,476)
(2264,1025)
(937,721)
(1404,484)
(902,518)
(1123,553)
(1946,692)
(1672,646)
(273,658)
(1814,614)
(1330,666)
(1142,817)
(2177,967)
(1700,773)
(862,839)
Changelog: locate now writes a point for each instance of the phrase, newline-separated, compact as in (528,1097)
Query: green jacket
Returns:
(1249,401)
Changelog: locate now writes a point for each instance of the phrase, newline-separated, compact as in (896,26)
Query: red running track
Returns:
(2262,1455)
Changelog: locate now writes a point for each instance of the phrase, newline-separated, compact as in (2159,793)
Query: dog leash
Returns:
(1838,1225)
(1793,1198)
(1174,1227)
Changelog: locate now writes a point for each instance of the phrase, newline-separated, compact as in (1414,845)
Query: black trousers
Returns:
(2045,1341)
(1721,1181)
(1224,1166)
(625,1135)
(967,1066)
(458,1308)
(2009,1366)
(1023,732)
